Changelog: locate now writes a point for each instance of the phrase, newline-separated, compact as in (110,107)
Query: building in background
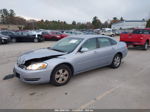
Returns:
(129,24)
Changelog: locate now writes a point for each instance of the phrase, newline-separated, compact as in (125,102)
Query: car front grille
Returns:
(22,66)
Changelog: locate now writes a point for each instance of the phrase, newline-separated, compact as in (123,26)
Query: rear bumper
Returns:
(134,43)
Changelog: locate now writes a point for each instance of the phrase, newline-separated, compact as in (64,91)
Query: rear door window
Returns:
(104,42)
(4,33)
(139,31)
(147,32)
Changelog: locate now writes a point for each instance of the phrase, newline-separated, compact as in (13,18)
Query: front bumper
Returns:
(32,77)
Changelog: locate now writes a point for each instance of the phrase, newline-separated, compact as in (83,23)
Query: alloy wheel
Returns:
(117,61)
(61,76)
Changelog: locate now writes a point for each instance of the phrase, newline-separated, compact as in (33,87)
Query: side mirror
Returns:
(84,50)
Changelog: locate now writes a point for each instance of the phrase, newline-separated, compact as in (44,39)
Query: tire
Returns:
(36,40)
(145,47)
(61,75)
(112,35)
(14,40)
(116,61)
(3,41)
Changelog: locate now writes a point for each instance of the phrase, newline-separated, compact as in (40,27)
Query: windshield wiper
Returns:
(56,50)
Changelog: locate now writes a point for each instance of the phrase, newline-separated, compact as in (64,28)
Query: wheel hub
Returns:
(62,76)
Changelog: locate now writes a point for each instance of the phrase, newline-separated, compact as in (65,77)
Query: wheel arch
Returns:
(66,63)
(148,40)
(120,53)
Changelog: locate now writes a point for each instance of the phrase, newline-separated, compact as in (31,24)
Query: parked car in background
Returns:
(8,33)
(54,35)
(27,36)
(89,33)
(73,32)
(23,36)
(68,57)
(108,32)
(139,37)
(4,39)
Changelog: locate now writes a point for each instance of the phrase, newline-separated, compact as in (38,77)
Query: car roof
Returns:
(87,36)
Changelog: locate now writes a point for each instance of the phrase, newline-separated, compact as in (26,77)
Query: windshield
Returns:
(67,45)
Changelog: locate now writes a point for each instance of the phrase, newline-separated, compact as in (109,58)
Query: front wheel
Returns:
(116,61)
(61,75)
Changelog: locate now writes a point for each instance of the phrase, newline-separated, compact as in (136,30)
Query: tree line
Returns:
(9,17)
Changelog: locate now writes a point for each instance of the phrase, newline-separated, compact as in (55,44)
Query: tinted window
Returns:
(138,31)
(90,44)
(113,42)
(146,31)
(4,33)
(104,42)
(45,33)
(149,31)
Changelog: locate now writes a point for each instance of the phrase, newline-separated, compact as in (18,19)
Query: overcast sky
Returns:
(79,10)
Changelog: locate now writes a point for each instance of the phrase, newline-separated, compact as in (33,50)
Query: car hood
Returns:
(38,54)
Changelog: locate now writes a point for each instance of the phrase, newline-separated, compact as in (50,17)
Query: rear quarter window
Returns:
(139,31)
(113,42)
(146,31)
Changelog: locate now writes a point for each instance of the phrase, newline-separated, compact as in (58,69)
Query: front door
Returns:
(87,60)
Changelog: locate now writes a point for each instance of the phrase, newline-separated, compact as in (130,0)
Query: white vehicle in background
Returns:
(107,32)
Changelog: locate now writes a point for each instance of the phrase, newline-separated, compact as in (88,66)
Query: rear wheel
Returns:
(145,47)
(36,40)
(13,40)
(116,61)
(61,75)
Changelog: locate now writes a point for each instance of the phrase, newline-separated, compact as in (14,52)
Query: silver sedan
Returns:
(68,57)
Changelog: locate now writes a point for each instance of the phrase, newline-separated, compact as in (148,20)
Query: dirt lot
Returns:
(105,88)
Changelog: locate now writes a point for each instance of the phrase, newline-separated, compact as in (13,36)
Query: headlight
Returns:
(37,66)
(4,38)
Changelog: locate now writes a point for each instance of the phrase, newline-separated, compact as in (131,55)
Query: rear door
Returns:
(27,36)
(105,51)
(136,35)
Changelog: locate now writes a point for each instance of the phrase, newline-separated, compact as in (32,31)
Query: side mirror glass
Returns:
(84,50)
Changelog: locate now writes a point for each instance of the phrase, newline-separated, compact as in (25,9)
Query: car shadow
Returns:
(81,76)
(136,48)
